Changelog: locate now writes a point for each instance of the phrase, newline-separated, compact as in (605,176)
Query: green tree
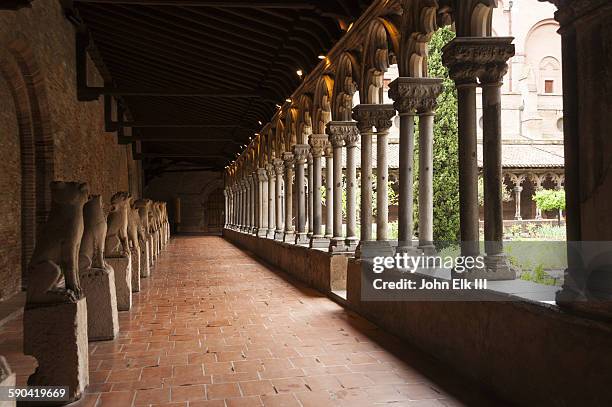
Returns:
(445,148)
(551,200)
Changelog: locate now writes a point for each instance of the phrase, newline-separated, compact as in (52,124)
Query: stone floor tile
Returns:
(212,322)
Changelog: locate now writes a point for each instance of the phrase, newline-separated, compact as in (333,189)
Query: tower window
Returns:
(549,86)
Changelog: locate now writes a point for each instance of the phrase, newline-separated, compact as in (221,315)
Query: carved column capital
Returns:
(300,153)
(415,94)
(317,144)
(373,115)
(341,132)
(328,150)
(288,160)
(262,174)
(279,165)
(468,58)
(270,169)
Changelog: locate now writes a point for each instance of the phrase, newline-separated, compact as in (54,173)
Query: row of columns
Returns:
(472,62)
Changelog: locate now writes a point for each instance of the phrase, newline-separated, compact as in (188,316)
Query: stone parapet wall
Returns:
(318,269)
(525,352)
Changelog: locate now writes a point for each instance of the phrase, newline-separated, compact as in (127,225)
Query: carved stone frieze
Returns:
(341,132)
(415,94)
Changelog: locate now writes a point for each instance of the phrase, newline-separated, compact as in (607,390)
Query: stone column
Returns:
(517,202)
(498,51)
(251,189)
(426,128)
(244,206)
(329,190)
(317,144)
(225,208)
(300,154)
(384,118)
(289,235)
(351,139)
(309,195)
(271,200)
(336,132)
(279,167)
(262,230)
(457,56)
(402,91)
(362,114)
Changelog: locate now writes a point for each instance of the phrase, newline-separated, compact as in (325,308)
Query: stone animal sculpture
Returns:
(144,207)
(134,230)
(53,270)
(91,254)
(117,244)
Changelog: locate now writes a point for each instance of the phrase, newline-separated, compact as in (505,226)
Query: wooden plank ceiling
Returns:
(199,77)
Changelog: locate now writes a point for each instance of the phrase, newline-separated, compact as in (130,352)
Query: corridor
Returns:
(213,326)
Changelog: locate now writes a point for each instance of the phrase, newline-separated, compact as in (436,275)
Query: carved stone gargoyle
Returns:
(53,271)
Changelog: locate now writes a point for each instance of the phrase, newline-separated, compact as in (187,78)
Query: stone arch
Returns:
(291,123)
(473,18)
(26,85)
(211,200)
(345,86)
(322,112)
(304,127)
(375,62)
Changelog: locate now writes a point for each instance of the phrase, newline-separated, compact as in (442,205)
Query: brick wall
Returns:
(10,194)
(57,137)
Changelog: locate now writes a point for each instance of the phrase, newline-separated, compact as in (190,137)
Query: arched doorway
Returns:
(28,167)
(213,211)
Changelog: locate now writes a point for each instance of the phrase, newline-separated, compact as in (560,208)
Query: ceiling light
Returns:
(299,73)
(278,106)
(322,56)
(288,100)
(260,123)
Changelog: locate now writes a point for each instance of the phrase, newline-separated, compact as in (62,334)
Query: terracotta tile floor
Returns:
(214,327)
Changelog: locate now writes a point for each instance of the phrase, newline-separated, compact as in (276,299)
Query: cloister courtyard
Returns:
(300,203)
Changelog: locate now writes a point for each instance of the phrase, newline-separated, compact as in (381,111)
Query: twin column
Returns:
(416,96)
(469,59)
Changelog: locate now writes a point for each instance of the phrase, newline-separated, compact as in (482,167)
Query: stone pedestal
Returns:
(7,379)
(56,335)
(98,285)
(145,259)
(136,265)
(374,248)
(123,280)
(151,251)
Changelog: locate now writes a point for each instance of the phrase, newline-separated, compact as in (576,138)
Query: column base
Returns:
(278,235)
(428,249)
(56,335)
(338,245)
(496,268)
(374,248)
(408,248)
(301,239)
(136,265)
(351,243)
(270,234)
(123,280)
(262,232)
(99,288)
(145,253)
(289,237)
(318,242)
